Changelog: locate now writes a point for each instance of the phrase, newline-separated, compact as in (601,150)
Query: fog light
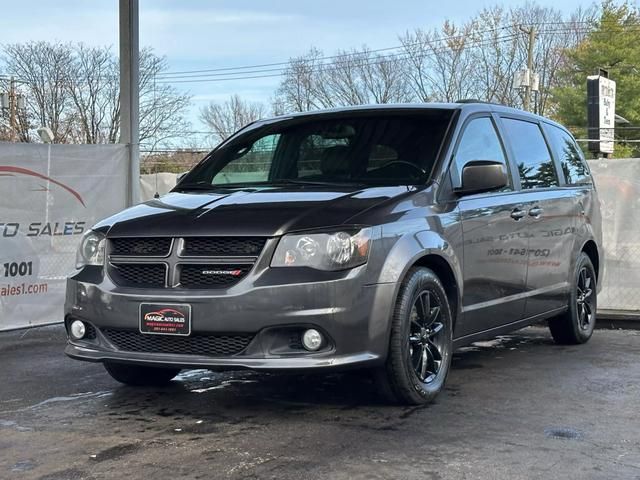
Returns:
(312,340)
(77,330)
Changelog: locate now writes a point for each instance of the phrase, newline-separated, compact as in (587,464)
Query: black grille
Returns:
(144,275)
(295,341)
(223,246)
(90,331)
(208,345)
(142,247)
(211,275)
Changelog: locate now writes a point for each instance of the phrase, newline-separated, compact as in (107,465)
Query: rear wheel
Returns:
(140,376)
(576,325)
(421,341)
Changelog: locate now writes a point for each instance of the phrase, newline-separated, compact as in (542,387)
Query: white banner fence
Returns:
(51,194)
(618,184)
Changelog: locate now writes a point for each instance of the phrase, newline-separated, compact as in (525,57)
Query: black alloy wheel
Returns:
(585,298)
(576,324)
(421,341)
(426,337)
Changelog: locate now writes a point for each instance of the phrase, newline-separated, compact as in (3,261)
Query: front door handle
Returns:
(517,214)
(535,212)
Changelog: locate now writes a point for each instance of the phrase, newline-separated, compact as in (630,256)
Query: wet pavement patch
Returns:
(23,466)
(113,453)
(66,474)
(73,422)
(563,433)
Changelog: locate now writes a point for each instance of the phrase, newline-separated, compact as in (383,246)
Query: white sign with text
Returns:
(50,196)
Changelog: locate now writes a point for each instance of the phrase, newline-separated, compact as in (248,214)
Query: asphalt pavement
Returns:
(515,407)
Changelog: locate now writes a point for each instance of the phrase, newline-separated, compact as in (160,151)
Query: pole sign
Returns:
(601,111)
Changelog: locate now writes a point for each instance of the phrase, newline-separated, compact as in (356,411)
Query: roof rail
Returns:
(475,100)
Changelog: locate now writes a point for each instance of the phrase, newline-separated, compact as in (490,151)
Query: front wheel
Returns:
(421,342)
(576,325)
(140,376)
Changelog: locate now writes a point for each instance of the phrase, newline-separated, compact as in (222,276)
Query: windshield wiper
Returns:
(195,186)
(300,181)
(206,186)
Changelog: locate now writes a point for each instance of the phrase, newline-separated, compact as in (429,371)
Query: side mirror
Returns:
(482,176)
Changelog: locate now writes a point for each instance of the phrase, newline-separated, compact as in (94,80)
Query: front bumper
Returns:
(353,316)
(289,363)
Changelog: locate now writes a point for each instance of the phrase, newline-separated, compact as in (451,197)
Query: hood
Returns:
(266,211)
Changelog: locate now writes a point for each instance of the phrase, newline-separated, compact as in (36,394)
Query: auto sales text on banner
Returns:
(49,196)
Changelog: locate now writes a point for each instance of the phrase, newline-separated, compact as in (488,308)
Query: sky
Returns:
(215,34)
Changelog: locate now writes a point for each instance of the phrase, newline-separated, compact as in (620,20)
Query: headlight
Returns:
(91,249)
(324,251)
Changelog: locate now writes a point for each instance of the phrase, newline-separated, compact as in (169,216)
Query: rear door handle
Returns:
(517,214)
(535,212)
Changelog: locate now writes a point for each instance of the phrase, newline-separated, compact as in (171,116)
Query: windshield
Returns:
(365,149)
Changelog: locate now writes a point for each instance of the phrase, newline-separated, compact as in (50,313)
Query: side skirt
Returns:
(509,327)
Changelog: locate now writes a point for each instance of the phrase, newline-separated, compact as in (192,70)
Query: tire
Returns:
(139,376)
(575,326)
(413,375)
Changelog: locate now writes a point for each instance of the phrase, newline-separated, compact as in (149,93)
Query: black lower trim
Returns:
(509,327)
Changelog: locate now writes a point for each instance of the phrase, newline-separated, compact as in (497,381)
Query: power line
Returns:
(195,76)
(330,57)
(188,77)
(569,23)
(337,65)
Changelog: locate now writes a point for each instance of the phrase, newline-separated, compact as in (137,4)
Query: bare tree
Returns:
(297,90)
(75,91)
(480,59)
(352,77)
(93,87)
(162,108)
(494,55)
(385,79)
(224,119)
(551,44)
(43,70)
(440,62)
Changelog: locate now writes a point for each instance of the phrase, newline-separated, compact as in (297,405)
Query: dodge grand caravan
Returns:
(377,237)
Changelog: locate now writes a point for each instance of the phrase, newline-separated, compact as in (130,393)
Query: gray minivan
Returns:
(374,237)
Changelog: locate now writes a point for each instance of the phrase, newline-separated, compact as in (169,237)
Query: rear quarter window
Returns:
(566,150)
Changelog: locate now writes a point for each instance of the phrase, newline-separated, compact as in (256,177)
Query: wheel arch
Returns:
(591,249)
(445,273)
(425,248)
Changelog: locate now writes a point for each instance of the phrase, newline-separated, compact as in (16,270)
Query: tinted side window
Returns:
(573,165)
(249,164)
(479,142)
(534,162)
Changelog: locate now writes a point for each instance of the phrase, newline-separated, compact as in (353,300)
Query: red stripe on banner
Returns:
(25,171)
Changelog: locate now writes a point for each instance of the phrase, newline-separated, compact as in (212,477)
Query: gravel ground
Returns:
(516,407)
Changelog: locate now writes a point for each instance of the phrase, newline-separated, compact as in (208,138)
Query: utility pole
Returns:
(130,93)
(12,108)
(10,103)
(531,32)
